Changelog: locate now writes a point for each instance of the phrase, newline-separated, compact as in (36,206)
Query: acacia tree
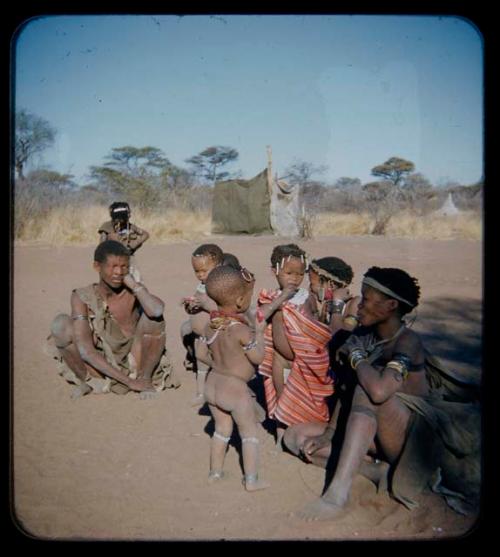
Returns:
(33,135)
(135,173)
(210,160)
(384,197)
(394,170)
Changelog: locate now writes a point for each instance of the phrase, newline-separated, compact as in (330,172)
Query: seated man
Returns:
(420,434)
(115,337)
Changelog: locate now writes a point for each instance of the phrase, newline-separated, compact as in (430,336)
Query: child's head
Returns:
(205,258)
(119,211)
(385,291)
(231,260)
(289,263)
(230,288)
(328,274)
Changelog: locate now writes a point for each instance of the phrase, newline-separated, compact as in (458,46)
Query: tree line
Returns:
(145,177)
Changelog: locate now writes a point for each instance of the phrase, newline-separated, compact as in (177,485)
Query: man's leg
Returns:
(62,332)
(148,345)
(359,435)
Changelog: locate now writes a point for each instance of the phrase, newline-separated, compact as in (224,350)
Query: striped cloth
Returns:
(308,385)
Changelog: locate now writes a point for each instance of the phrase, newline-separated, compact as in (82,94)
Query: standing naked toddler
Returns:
(235,350)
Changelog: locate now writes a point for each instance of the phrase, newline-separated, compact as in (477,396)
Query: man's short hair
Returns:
(110,247)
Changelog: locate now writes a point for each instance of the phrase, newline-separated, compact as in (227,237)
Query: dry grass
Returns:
(70,225)
(67,225)
(467,225)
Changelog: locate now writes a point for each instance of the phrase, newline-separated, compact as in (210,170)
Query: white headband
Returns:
(375,284)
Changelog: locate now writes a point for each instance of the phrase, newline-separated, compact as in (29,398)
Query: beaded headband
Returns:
(381,288)
(322,273)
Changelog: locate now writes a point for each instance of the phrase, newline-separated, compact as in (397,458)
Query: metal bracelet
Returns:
(252,344)
(357,356)
(337,306)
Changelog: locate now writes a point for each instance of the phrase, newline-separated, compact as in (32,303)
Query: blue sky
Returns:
(343,91)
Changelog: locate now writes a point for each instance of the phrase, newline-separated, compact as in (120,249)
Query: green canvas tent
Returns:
(242,206)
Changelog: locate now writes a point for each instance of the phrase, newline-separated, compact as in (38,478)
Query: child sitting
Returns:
(235,350)
(296,363)
(204,258)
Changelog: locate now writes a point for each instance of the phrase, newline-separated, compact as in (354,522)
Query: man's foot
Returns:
(255,484)
(198,400)
(320,509)
(99,386)
(80,390)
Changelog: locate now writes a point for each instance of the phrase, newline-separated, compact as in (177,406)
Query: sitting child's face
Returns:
(291,273)
(315,283)
(202,265)
(320,288)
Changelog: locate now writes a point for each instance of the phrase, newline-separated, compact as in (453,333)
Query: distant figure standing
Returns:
(120,229)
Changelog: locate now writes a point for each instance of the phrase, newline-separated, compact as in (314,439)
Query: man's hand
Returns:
(129,281)
(141,384)
(354,342)
(114,236)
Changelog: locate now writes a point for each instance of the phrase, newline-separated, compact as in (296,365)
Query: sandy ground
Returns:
(121,468)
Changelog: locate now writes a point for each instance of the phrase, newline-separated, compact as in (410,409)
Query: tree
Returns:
(301,172)
(348,184)
(380,203)
(33,135)
(384,197)
(418,193)
(208,162)
(52,179)
(394,170)
(136,174)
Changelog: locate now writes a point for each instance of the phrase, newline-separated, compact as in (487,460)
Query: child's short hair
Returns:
(209,250)
(110,247)
(119,210)
(398,283)
(231,260)
(287,250)
(334,269)
(224,283)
